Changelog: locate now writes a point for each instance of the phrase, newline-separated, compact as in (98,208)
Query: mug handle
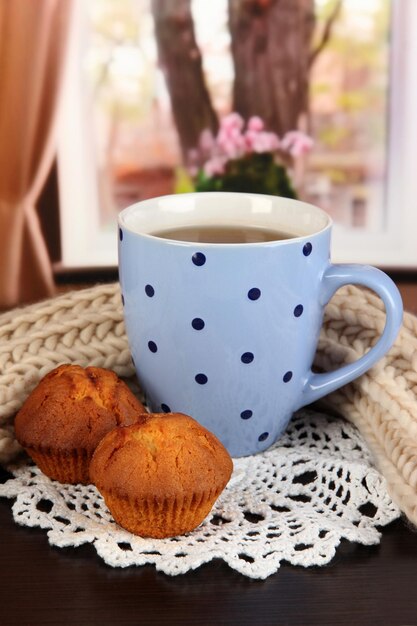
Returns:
(319,385)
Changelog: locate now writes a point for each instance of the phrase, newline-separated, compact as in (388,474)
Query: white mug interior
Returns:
(299,219)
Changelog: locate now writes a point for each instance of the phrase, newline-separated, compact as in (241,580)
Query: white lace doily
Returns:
(296,501)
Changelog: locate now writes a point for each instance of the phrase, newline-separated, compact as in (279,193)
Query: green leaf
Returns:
(254,173)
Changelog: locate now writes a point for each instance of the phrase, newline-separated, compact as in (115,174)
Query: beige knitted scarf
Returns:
(86,327)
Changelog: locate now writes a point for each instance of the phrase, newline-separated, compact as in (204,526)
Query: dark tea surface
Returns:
(223,234)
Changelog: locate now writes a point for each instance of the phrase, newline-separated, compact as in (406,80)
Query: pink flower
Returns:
(231,143)
(234,141)
(206,142)
(261,141)
(255,123)
(214,166)
(297,143)
(232,121)
(192,162)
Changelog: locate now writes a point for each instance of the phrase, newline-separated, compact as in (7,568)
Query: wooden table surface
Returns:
(44,585)
(41,584)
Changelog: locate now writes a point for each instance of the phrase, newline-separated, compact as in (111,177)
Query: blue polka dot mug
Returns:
(227,332)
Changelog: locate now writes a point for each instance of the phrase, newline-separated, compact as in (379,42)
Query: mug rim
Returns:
(148,202)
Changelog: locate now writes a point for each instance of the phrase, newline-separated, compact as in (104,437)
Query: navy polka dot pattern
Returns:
(198,258)
(198,323)
(247,357)
(254,293)
(120,234)
(307,249)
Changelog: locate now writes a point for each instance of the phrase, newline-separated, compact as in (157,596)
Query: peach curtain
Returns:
(33,37)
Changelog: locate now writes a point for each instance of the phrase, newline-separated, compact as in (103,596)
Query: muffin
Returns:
(68,413)
(160,477)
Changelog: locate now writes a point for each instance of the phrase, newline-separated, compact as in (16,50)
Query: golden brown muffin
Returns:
(160,478)
(66,416)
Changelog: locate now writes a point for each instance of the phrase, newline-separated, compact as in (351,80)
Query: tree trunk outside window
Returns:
(271,46)
(181,62)
(272,50)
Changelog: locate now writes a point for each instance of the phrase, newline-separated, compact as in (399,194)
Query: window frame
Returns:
(84,245)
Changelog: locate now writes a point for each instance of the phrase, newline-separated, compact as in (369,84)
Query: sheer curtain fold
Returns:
(33,41)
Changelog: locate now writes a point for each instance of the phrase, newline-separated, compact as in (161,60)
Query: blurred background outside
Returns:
(138,145)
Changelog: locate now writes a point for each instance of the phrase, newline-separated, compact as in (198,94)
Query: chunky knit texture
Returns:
(86,327)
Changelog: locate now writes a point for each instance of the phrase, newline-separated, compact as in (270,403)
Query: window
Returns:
(118,142)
